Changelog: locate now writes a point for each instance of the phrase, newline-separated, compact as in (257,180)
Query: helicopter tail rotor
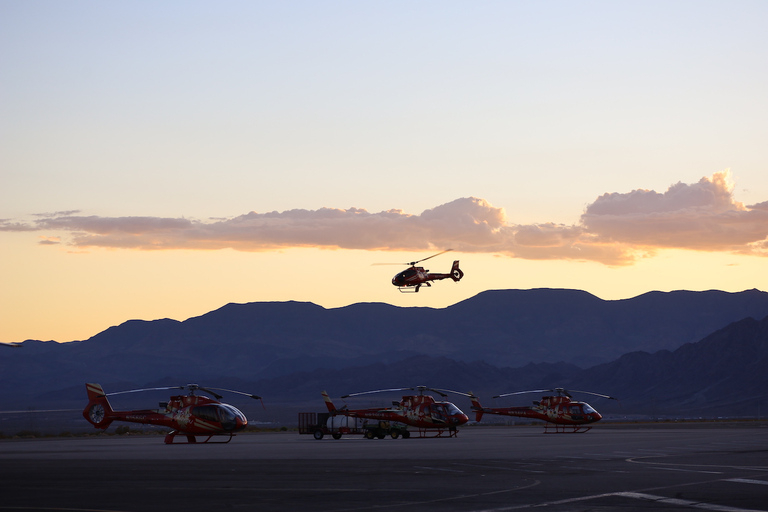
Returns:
(456,273)
(328,403)
(476,407)
(98,411)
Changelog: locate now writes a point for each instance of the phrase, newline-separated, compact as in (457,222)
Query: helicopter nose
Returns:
(460,419)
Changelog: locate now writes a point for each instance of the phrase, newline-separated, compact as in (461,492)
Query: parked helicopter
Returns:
(192,415)
(412,278)
(566,414)
(430,417)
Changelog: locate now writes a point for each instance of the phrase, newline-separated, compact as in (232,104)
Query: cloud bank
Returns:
(616,229)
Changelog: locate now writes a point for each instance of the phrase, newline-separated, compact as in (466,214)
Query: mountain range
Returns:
(663,353)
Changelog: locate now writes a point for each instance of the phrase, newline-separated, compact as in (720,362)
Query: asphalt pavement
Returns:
(721,467)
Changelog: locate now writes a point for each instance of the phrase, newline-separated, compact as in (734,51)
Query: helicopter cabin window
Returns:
(206,412)
(438,411)
(588,409)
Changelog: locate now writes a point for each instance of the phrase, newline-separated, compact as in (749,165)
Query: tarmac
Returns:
(707,466)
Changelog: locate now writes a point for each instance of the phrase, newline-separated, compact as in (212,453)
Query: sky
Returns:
(160,159)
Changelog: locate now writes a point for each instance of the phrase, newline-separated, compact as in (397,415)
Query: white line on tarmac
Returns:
(633,495)
(747,481)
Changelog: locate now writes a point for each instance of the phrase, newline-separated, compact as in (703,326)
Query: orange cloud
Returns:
(616,229)
(701,216)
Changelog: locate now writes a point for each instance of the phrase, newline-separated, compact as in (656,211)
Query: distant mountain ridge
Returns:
(553,333)
(723,375)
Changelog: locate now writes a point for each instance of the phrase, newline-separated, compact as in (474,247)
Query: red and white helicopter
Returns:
(191,415)
(566,415)
(411,279)
(432,418)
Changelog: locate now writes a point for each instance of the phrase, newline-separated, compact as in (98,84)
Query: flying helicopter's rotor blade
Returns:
(375,391)
(412,263)
(523,392)
(255,397)
(144,389)
(428,257)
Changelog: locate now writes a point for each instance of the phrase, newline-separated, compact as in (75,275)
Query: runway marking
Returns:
(389,506)
(439,469)
(747,481)
(685,503)
(690,470)
(635,460)
(497,467)
(633,495)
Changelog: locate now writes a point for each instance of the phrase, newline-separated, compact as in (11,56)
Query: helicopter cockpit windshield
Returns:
(451,409)
(225,414)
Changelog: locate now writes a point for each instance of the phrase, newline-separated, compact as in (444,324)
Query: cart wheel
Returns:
(318,434)
(395,434)
(368,434)
(406,434)
(336,435)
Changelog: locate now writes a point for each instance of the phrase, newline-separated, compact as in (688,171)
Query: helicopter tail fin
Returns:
(328,403)
(456,273)
(477,408)
(98,411)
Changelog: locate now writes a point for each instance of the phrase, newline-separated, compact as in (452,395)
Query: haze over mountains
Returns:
(691,353)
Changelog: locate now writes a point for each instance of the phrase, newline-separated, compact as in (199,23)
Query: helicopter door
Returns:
(576,412)
(437,411)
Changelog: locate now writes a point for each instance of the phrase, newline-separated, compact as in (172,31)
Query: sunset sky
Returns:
(162,159)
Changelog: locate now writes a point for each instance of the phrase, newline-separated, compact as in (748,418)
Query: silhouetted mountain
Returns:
(722,375)
(295,349)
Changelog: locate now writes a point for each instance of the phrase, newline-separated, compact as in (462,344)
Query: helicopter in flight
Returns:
(411,279)
(191,415)
(565,414)
(432,418)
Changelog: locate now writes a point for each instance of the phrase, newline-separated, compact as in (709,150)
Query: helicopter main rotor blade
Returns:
(428,257)
(144,389)
(523,392)
(596,394)
(412,263)
(375,391)
(442,391)
(560,391)
(255,397)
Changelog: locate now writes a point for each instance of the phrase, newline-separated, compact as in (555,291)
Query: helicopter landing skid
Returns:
(437,432)
(412,288)
(567,429)
(192,439)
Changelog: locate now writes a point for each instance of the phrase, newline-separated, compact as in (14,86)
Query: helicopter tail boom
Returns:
(98,411)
